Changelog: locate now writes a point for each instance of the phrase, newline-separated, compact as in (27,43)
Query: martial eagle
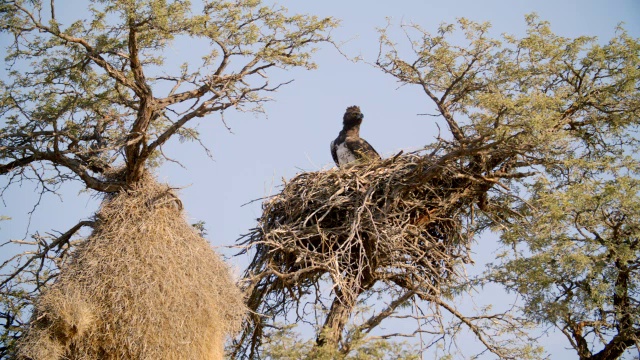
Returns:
(349,146)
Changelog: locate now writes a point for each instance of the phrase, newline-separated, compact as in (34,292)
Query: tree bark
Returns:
(339,314)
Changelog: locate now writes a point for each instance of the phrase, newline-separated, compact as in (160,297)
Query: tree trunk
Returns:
(334,324)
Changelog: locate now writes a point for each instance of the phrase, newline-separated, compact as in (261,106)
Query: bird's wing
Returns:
(362,149)
(334,153)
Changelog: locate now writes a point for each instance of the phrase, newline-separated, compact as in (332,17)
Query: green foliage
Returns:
(542,94)
(201,228)
(576,257)
(284,343)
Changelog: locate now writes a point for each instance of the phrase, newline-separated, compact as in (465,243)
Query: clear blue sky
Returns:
(306,115)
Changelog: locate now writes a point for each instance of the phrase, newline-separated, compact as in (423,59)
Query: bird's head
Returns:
(352,116)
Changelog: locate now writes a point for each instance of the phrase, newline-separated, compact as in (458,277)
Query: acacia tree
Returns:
(541,147)
(566,111)
(91,100)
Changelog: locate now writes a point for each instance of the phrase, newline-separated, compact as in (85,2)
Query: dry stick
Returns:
(58,242)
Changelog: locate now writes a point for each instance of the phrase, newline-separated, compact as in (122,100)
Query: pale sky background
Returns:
(294,136)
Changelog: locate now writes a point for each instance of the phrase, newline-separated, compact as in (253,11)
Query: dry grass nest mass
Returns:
(144,285)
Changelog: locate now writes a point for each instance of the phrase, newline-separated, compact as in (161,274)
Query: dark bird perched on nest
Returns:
(348,146)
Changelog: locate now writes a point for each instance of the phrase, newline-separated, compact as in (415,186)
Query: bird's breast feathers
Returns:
(345,155)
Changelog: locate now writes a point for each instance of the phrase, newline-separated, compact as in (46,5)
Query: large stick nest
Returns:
(144,285)
(400,221)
